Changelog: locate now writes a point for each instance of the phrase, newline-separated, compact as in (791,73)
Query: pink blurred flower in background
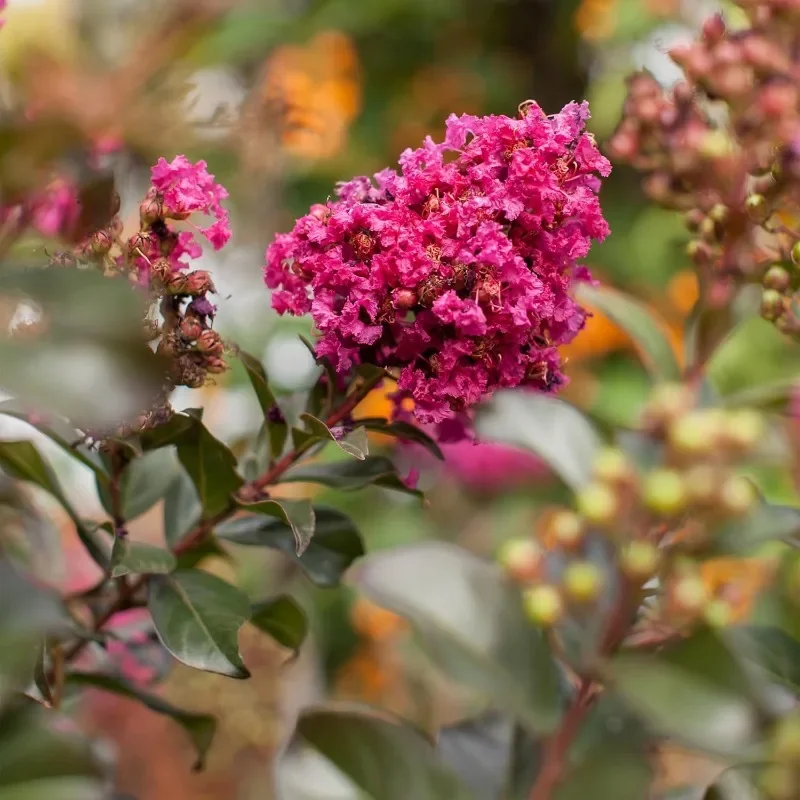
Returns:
(491,467)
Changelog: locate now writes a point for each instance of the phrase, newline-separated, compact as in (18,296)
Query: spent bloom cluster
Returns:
(453,273)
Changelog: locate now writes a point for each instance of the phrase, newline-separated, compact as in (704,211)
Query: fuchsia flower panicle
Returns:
(455,271)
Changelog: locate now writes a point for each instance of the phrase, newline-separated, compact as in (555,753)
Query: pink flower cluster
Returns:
(456,270)
(180,189)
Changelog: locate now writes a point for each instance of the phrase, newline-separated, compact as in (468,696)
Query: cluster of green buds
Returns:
(659,521)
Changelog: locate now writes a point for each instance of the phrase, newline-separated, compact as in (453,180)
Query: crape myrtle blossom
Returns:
(454,272)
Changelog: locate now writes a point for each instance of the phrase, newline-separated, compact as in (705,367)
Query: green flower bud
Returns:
(737,495)
(771,304)
(598,503)
(611,465)
(521,559)
(567,529)
(777,278)
(543,605)
(664,492)
(583,581)
(640,560)
(757,208)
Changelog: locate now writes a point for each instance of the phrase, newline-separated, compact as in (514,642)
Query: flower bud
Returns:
(702,483)
(583,581)
(716,144)
(796,253)
(403,299)
(757,208)
(744,429)
(737,496)
(543,605)
(161,270)
(694,433)
(719,213)
(714,28)
(199,282)
(639,560)
(191,328)
(688,595)
(664,492)
(598,503)
(777,278)
(209,342)
(215,365)
(566,529)
(611,465)
(151,209)
(772,305)
(101,242)
(521,559)
(718,613)
(668,401)
(175,283)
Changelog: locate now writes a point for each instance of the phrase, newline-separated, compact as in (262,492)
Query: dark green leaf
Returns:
(351,475)
(610,770)
(22,460)
(210,464)
(766,522)
(354,443)
(35,757)
(199,727)
(403,431)
(208,548)
(182,509)
(472,624)
(61,433)
(282,619)
(335,546)
(197,617)
(129,557)
(480,751)
(551,428)
(297,514)
(774,650)
(143,482)
(696,691)
(266,399)
(648,334)
(386,760)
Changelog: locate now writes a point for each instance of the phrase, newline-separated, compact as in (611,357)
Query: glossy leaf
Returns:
(282,619)
(139,558)
(60,433)
(349,475)
(481,752)
(472,625)
(143,482)
(610,770)
(182,508)
(335,546)
(696,691)
(200,727)
(197,617)
(297,514)
(403,431)
(277,430)
(558,433)
(383,758)
(209,463)
(353,443)
(22,460)
(647,332)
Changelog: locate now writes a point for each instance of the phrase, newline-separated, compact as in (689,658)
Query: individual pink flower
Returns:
(455,271)
(491,467)
(185,189)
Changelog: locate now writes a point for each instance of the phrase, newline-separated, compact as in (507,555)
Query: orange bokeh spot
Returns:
(737,581)
(374,623)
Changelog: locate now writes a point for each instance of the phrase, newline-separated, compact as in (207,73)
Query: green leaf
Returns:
(278,431)
(472,624)
(282,619)
(61,433)
(551,428)
(696,691)
(297,514)
(480,751)
(773,650)
(354,443)
(182,509)
(197,617)
(350,475)
(143,482)
(611,770)
(94,330)
(21,460)
(200,727)
(335,546)
(766,522)
(35,756)
(139,558)
(647,332)
(386,760)
(209,547)
(209,463)
(403,431)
